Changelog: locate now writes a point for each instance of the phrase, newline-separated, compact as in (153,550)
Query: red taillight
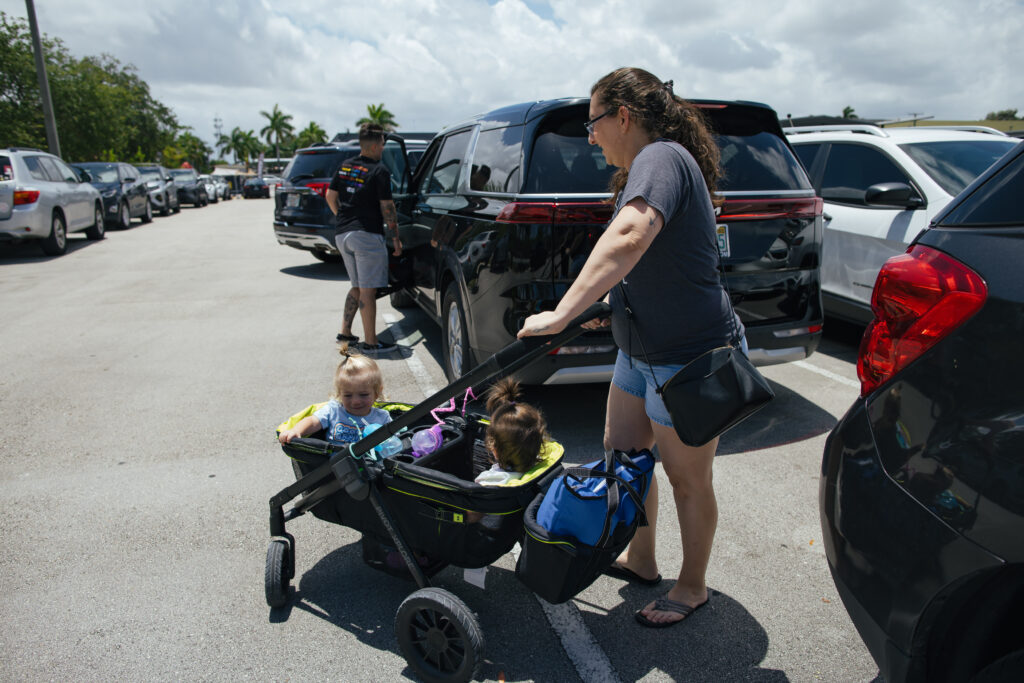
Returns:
(552,212)
(319,188)
(768,209)
(25,197)
(919,298)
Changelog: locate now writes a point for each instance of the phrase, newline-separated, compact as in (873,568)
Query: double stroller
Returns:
(419,514)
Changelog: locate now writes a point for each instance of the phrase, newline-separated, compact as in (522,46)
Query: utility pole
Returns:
(44,85)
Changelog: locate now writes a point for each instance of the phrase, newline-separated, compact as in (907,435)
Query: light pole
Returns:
(44,85)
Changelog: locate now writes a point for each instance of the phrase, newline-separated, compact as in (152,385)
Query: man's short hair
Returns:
(371,132)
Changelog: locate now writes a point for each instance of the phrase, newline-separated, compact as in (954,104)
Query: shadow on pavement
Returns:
(318,271)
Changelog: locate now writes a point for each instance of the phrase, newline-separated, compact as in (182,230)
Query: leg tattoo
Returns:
(352,304)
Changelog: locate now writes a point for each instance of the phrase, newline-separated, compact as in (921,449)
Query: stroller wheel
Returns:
(278,573)
(439,636)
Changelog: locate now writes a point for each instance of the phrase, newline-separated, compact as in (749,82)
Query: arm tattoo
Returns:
(387,207)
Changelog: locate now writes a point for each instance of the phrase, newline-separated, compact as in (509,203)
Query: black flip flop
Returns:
(664,604)
(627,574)
(350,338)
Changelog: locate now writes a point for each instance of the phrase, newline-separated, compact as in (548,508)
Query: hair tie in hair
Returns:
(668,86)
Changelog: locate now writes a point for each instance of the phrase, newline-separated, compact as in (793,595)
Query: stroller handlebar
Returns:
(522,349)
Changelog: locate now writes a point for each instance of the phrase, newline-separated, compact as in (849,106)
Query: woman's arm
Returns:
(614,255)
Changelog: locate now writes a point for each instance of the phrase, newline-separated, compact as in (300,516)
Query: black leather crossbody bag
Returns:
(712,393)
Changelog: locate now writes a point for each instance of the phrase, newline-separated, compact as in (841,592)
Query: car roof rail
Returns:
(851,128)
(24,149)
(970,128)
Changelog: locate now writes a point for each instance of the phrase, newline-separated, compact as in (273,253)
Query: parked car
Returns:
(301,217)
(43,199)
(190,189)
(881,187)
(223,187)
(163,192)
(922,482)
(255,187)
(124,196)
(505,207)
(212,189)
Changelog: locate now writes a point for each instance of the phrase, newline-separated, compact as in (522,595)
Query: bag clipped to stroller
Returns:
(575,530)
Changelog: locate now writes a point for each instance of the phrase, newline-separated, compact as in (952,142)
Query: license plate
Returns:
(723,240)
(292,201)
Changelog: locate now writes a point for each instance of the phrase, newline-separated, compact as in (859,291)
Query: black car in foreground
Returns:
(125,195)
(922,483)
(505,208)
(302,218)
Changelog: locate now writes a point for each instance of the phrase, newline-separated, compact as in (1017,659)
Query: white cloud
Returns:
(435,62)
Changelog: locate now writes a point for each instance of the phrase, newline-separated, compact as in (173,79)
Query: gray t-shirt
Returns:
(679,305)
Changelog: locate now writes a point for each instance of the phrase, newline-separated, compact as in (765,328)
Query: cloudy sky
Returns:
(435,62)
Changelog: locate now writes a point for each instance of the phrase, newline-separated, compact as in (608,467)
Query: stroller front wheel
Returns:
(278,573)
(439,636)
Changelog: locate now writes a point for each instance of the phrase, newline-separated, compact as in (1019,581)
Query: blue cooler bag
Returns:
(579,526)
(587,502)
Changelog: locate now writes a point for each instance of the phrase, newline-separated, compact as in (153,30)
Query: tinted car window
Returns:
(395,162)
(955,164)
(317,163)
(852,169)
(34,168)
(101,173)
(52,172)
(6,169)
(65,171)
(757,162)
(149,174)
(496,160)
(563,161)
(997,202)
(444,177)
(806,154)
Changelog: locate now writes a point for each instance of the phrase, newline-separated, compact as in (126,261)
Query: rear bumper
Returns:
(25,222)
(306,238)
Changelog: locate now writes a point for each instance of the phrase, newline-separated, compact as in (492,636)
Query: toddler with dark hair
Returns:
(514,437)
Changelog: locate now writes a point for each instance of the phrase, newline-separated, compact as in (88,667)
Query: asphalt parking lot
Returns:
(143,377)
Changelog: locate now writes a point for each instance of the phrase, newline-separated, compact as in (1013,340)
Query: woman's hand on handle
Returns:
(543,324)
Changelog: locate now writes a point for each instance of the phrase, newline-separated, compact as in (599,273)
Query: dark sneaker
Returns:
(350,338)
(379,348)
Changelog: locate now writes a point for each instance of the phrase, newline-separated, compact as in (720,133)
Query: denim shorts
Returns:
(634,377)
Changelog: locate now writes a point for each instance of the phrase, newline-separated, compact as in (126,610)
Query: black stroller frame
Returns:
(438,635)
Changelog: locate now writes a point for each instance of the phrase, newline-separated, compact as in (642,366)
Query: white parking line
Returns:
(826,373)
(583,650)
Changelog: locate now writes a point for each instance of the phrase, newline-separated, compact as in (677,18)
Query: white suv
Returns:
(42,198)
(881,187)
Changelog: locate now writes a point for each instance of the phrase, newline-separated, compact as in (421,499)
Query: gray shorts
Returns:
(365,257)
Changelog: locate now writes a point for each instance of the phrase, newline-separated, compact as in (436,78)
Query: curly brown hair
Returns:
(517,431)
(661,113)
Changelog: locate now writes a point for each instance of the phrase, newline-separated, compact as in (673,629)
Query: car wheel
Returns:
(165,210)
(439,636)
(147,215)
(56,242)
(177,206)
(97,230)
(124,216)
(456,340)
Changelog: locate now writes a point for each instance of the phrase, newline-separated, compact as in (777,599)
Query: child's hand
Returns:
(287,435)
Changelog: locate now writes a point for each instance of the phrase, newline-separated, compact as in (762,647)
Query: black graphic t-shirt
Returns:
(361,184)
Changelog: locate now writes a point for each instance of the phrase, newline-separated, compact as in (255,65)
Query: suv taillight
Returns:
(319,188)
(919,298)
(25,197)
(768,209)
(555,212)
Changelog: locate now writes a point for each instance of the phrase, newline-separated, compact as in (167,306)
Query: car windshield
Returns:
(148,175)
(101,173)
(954,164)
(185,174)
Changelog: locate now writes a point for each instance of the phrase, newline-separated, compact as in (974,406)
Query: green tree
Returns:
(310,135)
(188,147)
(278,128)
(102,107)
(848,112)
(376,113)
(1002,115)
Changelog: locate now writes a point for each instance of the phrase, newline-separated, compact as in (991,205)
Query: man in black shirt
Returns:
(360,197)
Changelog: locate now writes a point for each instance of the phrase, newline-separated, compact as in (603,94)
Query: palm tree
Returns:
(376,113)
(310,135)
(278,128)
(848,112)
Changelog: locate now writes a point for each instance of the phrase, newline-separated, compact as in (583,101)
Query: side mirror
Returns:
(893,194)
